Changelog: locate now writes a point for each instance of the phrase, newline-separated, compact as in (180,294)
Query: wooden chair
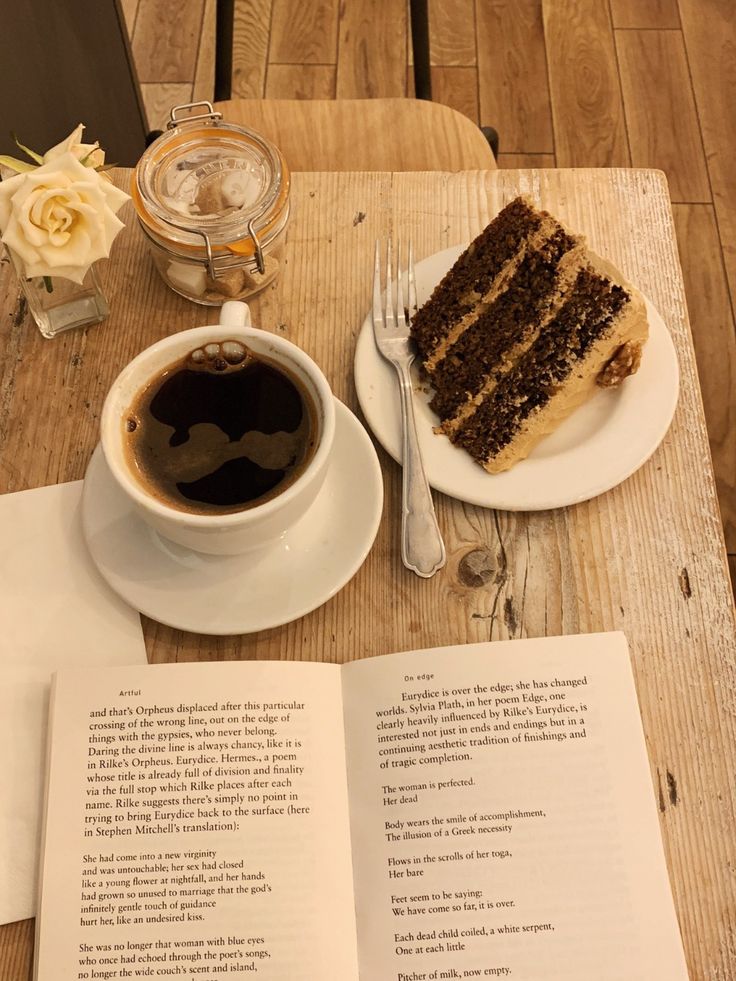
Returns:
(360,134)
(365,134)
(65,63)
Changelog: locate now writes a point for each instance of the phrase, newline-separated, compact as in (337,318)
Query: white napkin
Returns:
(55,611)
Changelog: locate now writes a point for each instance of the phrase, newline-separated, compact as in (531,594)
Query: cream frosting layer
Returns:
(609,358)
(569,266)
(532,243)
(629,328)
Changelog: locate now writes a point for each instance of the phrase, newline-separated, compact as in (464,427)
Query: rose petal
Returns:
(14,239)
(7,189)
(61,216)
(65,146)
(77,252)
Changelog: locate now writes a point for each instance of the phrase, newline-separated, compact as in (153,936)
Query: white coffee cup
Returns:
(259,525)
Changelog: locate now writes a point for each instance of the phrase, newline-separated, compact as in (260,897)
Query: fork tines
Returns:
(393,318)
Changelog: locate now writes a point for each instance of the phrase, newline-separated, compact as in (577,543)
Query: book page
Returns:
(503,816)
(56,611)
(197,826)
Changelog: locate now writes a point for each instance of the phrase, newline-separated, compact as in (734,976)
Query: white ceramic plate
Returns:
(241,593)
(597,447)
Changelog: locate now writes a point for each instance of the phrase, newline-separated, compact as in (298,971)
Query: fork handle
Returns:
(422,548)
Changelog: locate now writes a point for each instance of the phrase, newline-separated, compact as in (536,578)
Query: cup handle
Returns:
(235,314)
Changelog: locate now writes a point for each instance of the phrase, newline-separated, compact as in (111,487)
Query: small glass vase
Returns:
(59,304)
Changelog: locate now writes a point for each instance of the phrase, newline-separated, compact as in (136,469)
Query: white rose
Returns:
(60,217)
(90,153)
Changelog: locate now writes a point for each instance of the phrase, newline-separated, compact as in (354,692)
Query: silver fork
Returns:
(422,548)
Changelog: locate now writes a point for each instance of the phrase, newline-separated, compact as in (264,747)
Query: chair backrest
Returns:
(365,134)
(65,63)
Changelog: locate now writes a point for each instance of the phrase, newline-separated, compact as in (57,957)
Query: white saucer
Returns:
(241,593)
(597,447)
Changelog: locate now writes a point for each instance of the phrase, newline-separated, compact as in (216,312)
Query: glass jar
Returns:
(213,201)
(59,304)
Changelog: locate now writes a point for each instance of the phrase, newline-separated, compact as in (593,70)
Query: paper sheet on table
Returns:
(55,610)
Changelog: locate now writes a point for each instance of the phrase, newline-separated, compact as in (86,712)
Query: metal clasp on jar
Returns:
(211,114)
(212,268)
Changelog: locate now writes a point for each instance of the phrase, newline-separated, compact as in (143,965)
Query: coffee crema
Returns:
(221,430)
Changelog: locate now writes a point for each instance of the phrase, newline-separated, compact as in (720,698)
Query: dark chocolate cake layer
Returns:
(515,312)
(473,274)
(587,313)
(521,331)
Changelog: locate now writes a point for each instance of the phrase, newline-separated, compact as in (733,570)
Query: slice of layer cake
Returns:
(521,331)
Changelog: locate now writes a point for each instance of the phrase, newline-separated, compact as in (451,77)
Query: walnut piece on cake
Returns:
(625,362)
(524,328)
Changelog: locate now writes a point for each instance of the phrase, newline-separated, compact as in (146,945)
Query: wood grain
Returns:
(130,9)
(660,111)
(166,39)
(525,160)
(584,85)
(372,50)
(251,26)
(714,337)
(452,32)
(455,87)
(646,558)
(709,29)
(512,72)
(160,97)
(16,950)
(304,33)
(324,135)
(300,82)
(203,87)
(514,90)
(645,14)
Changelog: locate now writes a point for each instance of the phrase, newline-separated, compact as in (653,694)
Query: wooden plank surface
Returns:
(513,91)
(160,97)
(512,74)
(251,27)
(661,120)
(304,33)
(584,85)
(130,9)
(163,55)
(455,87)
(709,29)
(372,50)
(300,82)
(646,558)
(715,346)
(646,14)
(452,32)
(203,86)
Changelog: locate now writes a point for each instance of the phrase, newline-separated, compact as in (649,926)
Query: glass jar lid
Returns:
(206,186)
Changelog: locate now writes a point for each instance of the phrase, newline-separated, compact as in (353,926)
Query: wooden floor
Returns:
(567,83)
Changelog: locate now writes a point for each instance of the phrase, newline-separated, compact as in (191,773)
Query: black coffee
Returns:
(220,431)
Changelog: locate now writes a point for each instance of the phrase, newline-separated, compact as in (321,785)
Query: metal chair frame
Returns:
(419,22)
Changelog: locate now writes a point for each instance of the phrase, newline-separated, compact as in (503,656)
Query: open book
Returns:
(483,811)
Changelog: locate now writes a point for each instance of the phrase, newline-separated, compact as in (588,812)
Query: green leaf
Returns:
(29,153)
(19,166)
(85,159)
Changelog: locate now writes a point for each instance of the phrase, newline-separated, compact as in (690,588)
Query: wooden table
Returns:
(647,558)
